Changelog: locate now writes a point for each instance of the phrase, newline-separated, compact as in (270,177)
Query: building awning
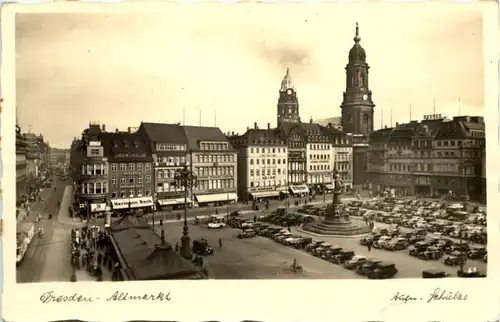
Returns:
(171,202)
(329,186)
(217,197)
(299,189)
(265,194)
(137,202)
(99,207)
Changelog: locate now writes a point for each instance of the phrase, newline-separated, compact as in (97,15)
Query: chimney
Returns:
(268,126)
(116,131)
(129,129)
(330,124)
(232,133)
(397,124)
(385,126)
(248,128)
(104,127)
(255,125)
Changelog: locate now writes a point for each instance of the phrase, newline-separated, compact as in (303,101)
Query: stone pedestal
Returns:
(336,222)
(186,244)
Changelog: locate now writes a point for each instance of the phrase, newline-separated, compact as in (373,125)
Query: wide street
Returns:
(47,258)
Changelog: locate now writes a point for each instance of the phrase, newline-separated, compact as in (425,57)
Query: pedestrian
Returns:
(161,222)
(289,229)
(254,218)
(220,243)
(177,247)
(99,258)
(369,245)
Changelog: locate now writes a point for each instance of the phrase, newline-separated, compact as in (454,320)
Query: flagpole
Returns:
(410,113)
(459,107)
(434,106)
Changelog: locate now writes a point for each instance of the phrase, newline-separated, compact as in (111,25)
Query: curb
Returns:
(336,236)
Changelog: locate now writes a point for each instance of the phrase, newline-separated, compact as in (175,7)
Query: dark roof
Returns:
(164,133)
(127,222)
(258,137)
(195,134)
(148,259)
(382,135)
(404,131)
(126,146)
(287,128)
(451,130)
(428,128)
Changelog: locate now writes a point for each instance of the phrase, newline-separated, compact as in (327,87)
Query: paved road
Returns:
(31,267)
(256,258)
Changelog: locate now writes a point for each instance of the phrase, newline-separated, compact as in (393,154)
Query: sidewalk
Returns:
(63,216)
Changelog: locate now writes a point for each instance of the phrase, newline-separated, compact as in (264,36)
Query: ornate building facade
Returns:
(288,103)
(21,174)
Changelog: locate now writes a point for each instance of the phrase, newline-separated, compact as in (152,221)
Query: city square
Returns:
(293,196)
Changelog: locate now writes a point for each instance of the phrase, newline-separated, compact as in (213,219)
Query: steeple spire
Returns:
(286,83)
(357,39)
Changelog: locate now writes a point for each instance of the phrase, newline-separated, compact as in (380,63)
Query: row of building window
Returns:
(320,167)
(297,166)
(214,146)
(268,150)
(95,169)
(215,184)
(170,147)
(91,188)
(172,160)
(269,172)
(131,193)
(320,146)
(213,171)
(131,180)
(319,156)
(204,158)
(266,183)
(166,187)
(131,167)
(269,161)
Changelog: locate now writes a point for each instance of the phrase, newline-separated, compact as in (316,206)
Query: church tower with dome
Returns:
(288,103)
(357,105)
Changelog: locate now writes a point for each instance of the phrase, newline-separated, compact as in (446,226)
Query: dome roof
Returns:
(357,53)
(286,83)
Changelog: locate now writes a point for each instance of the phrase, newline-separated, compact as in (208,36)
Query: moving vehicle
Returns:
(201,247)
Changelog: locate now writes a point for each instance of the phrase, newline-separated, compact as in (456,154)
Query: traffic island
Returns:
(337,221)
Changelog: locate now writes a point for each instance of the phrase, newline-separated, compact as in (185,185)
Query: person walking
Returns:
(220,243)
(369,245)
(177,247)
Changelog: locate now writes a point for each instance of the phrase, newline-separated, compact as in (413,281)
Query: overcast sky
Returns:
(120,69)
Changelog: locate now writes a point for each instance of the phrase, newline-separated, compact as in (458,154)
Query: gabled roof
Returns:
(382,135)
(451,130)
(195,134)
(134,145)
(288,127)
(428,128)
(164,133)
(404,131)
(268,137)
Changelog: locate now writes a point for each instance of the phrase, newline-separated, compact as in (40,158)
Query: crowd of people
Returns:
(91,251)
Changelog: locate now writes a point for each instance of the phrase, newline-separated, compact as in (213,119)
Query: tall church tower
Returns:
(357,106)
(288,104)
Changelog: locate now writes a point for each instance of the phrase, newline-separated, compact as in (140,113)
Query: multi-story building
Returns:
(214,161)
(92,185)
(342,156)
(262,164)
(131,183)
(33,157)
(430,158)
(318,157)
(76,158)
(168,144)
(21,145)
(57,156)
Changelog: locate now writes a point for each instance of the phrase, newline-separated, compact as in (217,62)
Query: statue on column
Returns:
(338,186)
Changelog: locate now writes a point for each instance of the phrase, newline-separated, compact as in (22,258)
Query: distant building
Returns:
(214,161)
(169,151)
(333,122)
(342,155)
(288,103)
(430,158)
(21,165)
(262,164)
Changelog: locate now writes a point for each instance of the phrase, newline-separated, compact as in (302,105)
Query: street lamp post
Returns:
(186,179)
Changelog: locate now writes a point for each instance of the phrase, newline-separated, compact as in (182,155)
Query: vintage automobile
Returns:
(434,273)
(201,247)
(381,270)
(415,239)
(292,240)
(331,252)
(455,258)
(367,266)
(247,233)
(470,274)
(355,262)
(247,224)
(445,244)
(477,253)
(460,246)
(417,248)
(235,222)
(343,256)
(396,244)
(381,242)
(303,242)
(318,251)
(216,224)
(281,239)
(312,245)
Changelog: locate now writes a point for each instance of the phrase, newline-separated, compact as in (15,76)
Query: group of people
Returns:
(91,251)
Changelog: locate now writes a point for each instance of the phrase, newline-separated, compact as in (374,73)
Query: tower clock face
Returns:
(289,92)
(365,97)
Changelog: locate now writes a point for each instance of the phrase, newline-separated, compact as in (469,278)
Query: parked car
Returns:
(247,233)
(247,224)
(216,224)
(367,266)
(355,262)
(343,256)
(477,253)
(381,242)
(434,273)
(455,258)
(201,247)
(396,244)
(381,270)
